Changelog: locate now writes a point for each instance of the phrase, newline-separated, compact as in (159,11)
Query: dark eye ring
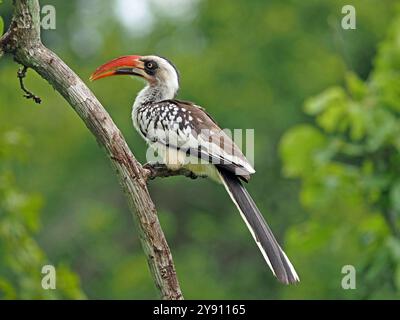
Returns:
(150,65)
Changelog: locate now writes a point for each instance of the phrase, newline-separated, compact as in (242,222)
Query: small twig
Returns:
(29,95)
(159,170)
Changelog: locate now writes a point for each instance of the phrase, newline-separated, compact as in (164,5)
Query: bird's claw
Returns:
(150,170)
(191,175)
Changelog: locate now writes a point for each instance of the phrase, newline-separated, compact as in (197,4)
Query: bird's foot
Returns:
(154,170)
(151,169)
(190,175)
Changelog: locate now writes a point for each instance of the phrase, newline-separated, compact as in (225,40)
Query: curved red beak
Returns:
(126,65)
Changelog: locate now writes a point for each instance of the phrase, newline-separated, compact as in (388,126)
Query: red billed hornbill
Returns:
(186,136)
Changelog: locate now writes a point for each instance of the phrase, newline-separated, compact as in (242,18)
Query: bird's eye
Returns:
(150,65)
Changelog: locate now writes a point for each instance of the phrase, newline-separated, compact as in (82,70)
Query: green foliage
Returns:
(348,162)
(21,257)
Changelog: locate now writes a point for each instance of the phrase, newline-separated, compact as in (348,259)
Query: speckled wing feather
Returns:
(184,125)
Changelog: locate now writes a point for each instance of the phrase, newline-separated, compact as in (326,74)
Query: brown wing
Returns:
(213,144)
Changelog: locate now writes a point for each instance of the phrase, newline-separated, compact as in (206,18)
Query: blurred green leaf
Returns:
(298,148)
(356,86)
(330,98)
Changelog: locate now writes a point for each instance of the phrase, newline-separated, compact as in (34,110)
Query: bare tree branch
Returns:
(22,41)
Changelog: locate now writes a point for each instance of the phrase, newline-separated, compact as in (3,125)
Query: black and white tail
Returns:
(262,234)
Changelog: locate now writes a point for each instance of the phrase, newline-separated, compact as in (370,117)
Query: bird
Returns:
(186,136)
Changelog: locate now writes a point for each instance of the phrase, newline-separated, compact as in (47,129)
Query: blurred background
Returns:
(325,106)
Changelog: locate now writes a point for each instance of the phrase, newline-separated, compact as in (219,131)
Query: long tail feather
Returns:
(262,234)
